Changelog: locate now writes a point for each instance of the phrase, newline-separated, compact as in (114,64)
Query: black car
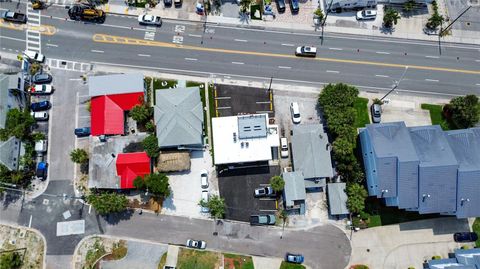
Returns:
(465,237)
(294,6)
(40,106)
(42,78)
(167,3)
(178,3)
(84,131)
(281,6)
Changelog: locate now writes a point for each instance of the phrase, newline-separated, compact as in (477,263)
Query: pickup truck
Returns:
(262,220)
(14,16)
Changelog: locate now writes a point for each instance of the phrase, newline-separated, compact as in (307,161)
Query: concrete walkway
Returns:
(172,255)
(266,263)
(140,255)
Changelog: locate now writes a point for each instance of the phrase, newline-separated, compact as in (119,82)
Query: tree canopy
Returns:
(79,156)
(10,260)
(356,197)
(465,111)
(17,124)
(105,203)
(216,204)
(141,113)
(150,144)
(158,184)
(277,183)
(390,17)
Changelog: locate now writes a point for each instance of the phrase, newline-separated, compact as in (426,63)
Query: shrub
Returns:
(150,144)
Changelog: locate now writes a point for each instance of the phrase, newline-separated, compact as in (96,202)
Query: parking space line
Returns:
(382,76)
(268,210)
(240,40)
(97,51)
(260,112)
(237,63)
(267,199)
(431,80)
(223,97)
(30,222)
(333,71)
(288,45)
(284,67)
(263,102)
(224,107)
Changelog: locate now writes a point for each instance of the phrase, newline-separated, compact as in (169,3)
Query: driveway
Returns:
(406,244)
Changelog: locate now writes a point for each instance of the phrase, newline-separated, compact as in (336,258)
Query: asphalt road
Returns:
(223,50)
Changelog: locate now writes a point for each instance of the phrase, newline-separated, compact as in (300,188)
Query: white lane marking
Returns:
(432,57)
(333,71)
(284,67)
(382,52)
(240,40)
(478,61)
(74,79)
(30,222)
(97,51)
(431,80)
(52,45)
(478,84)
(144,55)
(237,63)
(288,45)
(335,49)
(190,59)
(89,209)
(192,35)
(382,76)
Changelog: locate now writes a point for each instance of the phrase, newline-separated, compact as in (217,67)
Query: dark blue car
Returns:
(40,106)
(41,172)
(294,258)
(84,131)
(294,6)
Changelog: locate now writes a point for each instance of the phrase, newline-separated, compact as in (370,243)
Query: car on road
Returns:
(262,220)
(41,89)
(42,78)
(152,20)
(41,171)
(178,3)
(83,131)
(34,56)
(295,112)
(294,258)
(264,192)
(281,6)
(191,243)
(40,106)
(306,51)
(39,116)
(205,197)
(366,15)
(465,237)
(283,147)
(294,6)
(204,179)
(376,110)
(12,16)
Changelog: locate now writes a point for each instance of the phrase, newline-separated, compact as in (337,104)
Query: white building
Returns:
(244,139)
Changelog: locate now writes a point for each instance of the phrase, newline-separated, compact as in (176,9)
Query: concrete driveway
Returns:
(406,244)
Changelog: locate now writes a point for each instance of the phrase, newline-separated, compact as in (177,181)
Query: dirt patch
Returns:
(27,243)
(174,161)
(153,203)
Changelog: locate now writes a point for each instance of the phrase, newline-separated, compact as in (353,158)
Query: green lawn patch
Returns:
(361,106)
(163,261)
(195,259)
(148,84)
(476,228)
(436,115)
(287,265)
(160,84)
(237,261)
(194,84)
(213,114)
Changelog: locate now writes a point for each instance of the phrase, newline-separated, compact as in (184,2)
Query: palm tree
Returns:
(390,17)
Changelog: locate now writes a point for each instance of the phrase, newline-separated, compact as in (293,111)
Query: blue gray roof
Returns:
(10,153)
(466,147)
(432,146)
(7,99)
(115,84)
(337,199)
(392,140)
(294,189)
(178,115)
(468,256)
(310,152)
(463,259)
(252,126)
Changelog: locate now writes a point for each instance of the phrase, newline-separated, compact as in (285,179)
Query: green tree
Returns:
(434,21)
(139,183)
(319,14)
(18,124)
(390,17)
(38,136)
(158,184)
(79,156)
(216,205)
(105,203)
(465,111)
(141,113)
(356,197)
(245,5)
(338,96)
(277,183)
(343,149)
(10,260)
(150,144)
(409,5)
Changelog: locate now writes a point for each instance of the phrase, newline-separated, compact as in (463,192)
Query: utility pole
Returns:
(325,19)
(444,30)
(205,22)
(395,85)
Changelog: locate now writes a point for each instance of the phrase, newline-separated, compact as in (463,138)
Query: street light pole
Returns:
(325,19)
(441,32)
(396,84)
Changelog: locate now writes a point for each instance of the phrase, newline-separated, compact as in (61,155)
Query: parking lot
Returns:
(233,100)
(237,187)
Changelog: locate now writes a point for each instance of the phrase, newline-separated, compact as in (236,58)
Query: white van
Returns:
(41,147)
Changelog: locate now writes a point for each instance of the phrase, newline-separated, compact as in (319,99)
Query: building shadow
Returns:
(444,225)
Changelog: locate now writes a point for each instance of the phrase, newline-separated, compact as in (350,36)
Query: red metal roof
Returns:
(107,112)
(130,166)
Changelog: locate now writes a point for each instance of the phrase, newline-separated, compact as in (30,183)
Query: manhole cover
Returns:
(45,201)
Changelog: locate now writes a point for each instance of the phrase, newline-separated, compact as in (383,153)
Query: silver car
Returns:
(146,19)
(376,110)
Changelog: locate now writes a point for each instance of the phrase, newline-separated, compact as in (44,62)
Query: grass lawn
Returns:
(163,261)
(436,116)
(287,265)
(361,106)
(238,261)
(211,110)
(195,259)
(194,84)
(476,228)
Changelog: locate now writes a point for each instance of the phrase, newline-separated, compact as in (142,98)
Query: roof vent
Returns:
(246,144)
(234,137)
(242,145)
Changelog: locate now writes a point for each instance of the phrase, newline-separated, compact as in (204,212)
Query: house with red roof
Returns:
(130,166)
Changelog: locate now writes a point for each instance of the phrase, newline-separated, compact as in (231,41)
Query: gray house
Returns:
(178,115)
(294,193)
(337,199)
(462,259)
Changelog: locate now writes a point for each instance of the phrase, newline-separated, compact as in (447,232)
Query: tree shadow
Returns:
(115,218)
(387,30)
(9,198)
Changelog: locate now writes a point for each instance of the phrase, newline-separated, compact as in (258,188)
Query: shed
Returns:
(337,199)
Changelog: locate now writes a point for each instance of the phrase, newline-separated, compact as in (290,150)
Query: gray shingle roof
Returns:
(392,140)
(10,153)
(294,187)
(178,115)
(466,147)
(309,151)
(115,84)
(7,100)
(337,199)
(432,146)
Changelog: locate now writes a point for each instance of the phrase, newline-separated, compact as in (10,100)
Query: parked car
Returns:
(41,147)
(295,111)
(264,192)
(294,258)
(281,6)
(465,237)
(306,51)
(294,6)
(39,116)
(204,179)
(376,110)
(167,3)
(205,197)
(41,89)
(367,15)
(41,171)
(42,78)
(34,56)
(146,19)
(283,147)
(177,3)
(83,131)
(12,16)
(196,244)
(40,106)
(262,220)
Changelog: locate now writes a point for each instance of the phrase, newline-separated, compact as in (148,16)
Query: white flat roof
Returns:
(230,148)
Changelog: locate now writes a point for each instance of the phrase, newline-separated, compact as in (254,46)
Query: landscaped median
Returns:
(21,248)
(93,249)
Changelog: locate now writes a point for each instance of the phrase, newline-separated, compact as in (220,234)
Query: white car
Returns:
(146,19)
(284,147)
(196,244)
(34,56)
(306,51)
(295,111)
(205,197)
(204,179)
(41,89)
(366,15)
(39,116)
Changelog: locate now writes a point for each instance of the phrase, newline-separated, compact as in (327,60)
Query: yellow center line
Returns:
(101,38)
